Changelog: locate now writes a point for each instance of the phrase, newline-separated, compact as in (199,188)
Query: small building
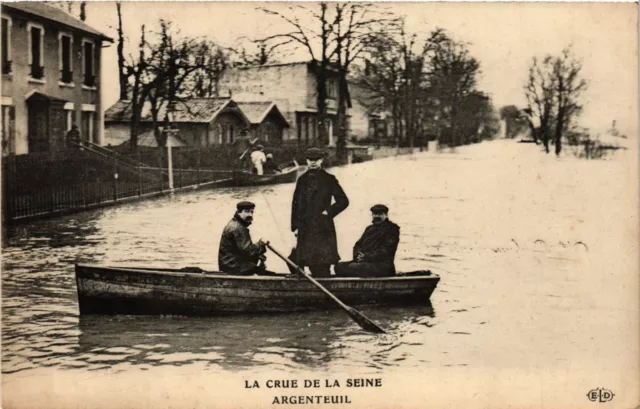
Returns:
(367,118)
(51,64)
(202,121)
(266,121)
(293,88)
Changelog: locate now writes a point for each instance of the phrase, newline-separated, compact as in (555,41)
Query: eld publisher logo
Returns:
(600,395)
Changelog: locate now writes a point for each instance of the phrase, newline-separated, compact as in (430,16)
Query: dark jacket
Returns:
(270,166)
(379,243)
(317,242)
(237,253)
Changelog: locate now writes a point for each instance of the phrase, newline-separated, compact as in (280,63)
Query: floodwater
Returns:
(537,258)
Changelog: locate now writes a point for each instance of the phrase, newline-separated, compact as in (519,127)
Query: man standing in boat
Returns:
(258,159)
(237,253)
(312,216)
(373,254)
(243,146)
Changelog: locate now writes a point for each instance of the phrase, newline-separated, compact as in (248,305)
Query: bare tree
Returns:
(569,86)
(539,91)
(336,39)
(251,52)
(122,74)
(553,91)
(212,60)
(136,72)
(452,75)
(353,28)
(307,37)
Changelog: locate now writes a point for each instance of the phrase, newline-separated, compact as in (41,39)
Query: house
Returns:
(202,121)
(50,78)
(293,88)
(367,117)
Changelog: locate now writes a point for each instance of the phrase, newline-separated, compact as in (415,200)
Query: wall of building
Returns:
(358,121)
(291,86)
(17,86)
(115,133)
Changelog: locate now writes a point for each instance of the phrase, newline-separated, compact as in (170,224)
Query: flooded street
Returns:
(536,255)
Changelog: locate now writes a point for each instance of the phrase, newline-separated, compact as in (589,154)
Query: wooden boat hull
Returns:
(137,291)
(288,175)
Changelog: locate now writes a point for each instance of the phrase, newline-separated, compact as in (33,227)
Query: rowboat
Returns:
(245,178)
(190,291)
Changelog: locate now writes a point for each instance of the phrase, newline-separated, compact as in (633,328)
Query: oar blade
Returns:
(364,322)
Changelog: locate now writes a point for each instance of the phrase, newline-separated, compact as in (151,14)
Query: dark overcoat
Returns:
(379,243)
(317,242)
(237,253)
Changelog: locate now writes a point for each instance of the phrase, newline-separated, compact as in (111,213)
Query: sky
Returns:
(504,37)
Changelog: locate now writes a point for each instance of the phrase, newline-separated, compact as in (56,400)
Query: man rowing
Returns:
(237,253)
(312,216)
(373,254)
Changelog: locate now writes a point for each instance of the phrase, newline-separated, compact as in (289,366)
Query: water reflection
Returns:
(308,340)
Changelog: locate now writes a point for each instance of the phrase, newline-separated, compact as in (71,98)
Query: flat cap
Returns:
(245,205)
(314,154)
(379,208)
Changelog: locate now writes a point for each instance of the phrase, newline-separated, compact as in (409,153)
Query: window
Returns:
(8,136)
(64,52)
(36,50)
(88,64)
(6,45)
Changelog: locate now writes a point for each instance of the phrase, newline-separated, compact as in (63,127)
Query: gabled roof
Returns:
(148,139)
(257,111)
(191,110)
(51,13)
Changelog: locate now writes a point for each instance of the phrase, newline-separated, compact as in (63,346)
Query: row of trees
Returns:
(428,88)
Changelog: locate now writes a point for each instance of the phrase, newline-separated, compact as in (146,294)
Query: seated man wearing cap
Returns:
(270,166)
(373,254)
(258,158)
(237,253)
(312,214)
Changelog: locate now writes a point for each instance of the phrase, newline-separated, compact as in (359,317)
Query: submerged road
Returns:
(522,241)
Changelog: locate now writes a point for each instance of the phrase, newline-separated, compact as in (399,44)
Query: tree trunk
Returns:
(341,142)
(323,135)
(121,68)
(558,133)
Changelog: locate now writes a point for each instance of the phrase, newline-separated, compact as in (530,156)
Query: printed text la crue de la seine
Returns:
(309,384)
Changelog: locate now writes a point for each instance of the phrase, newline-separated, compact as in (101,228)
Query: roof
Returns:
(310,63)
(257,111)
(148,139)
(51,13)
(191,110)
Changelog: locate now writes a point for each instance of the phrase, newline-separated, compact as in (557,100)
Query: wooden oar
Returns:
(355,315)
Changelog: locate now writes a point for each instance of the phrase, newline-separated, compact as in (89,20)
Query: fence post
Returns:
(170,165)
(6,207)
(161,168)
(198,167)
(139,173)
(52,180)
(115,178)
(84,184)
